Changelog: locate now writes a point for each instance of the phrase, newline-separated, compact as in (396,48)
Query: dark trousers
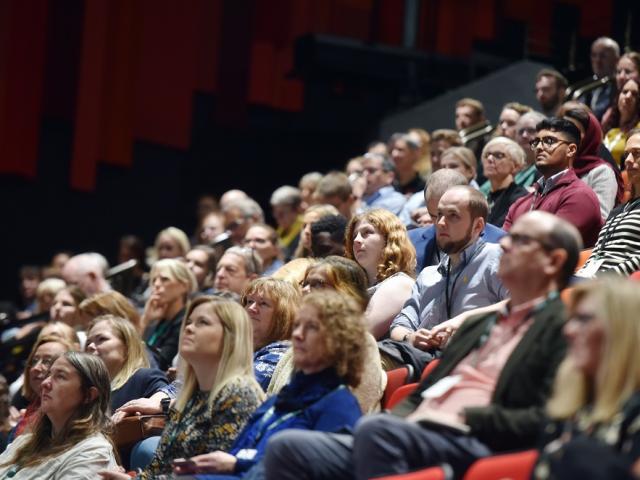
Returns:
(382,445)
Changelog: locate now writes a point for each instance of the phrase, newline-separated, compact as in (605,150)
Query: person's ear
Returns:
(557,259)
(478,226)
(92,394)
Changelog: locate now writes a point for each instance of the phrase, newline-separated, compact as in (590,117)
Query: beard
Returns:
(455,246)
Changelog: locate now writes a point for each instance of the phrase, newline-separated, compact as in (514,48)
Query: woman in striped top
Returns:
(618,247)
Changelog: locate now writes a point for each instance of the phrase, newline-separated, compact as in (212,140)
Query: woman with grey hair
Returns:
(501,159)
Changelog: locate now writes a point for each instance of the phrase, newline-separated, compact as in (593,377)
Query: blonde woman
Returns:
(219,392)
(171,243)
(172,282)
(378,242)
(118,344)
(596,401)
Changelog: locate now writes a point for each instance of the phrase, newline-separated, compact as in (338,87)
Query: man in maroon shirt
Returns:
(559,190)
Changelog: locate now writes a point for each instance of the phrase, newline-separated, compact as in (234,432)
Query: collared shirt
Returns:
(387,198)
(472,283)
(545,185)
(477,374)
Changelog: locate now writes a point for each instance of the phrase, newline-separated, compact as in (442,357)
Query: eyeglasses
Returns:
(527,130)
(547,142)
(495,155)
(45,361)
(521,239)
(582,317)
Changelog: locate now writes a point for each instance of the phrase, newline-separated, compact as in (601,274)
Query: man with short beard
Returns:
(466,276)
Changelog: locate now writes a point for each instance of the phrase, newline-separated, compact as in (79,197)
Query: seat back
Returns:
(395,379)
(510,466)
(429,368)
(400,394)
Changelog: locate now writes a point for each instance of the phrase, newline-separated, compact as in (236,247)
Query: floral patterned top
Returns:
(200,429)
(266,359)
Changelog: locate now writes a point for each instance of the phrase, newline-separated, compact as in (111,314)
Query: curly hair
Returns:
(343,275)
(398,254)
(344,332)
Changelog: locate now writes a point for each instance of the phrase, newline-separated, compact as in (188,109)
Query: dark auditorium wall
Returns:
(116,114)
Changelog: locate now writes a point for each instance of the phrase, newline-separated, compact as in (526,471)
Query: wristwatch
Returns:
(164,404)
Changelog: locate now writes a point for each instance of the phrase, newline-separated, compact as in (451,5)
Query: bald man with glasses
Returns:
(559,190)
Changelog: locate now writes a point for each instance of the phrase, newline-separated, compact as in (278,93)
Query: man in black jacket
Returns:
(488,392)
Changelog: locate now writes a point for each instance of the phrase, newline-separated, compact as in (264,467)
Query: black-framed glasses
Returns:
(547,142)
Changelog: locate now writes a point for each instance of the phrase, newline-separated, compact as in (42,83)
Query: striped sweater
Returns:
(618,243)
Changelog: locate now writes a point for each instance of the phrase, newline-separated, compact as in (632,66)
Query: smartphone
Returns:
(186,466)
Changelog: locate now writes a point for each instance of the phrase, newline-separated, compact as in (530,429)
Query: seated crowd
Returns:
(500,254)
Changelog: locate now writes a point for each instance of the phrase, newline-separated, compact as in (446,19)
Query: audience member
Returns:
(171,243)
(498,369)
(423,139)
(231,196)
(605,53)
(272,306)
(550,90)
(335,189)
(473,127)
(286,204)
(219,393)
(65,305)
(628,68)
(68,439)
(501,158)
(87,271)
(463,160)
(109,303)
(116,341)
(348,278)
(428,251)
(307,186)
(405,153)
(559,190)
(508,119)
(378,242)
(441,140)
(239,215)
(328,357)
(135,281)
(30,277)
(603,178)
(211,227)
(618,243)
(327,236)
(44,352)
(46,292)
(525,132)
(595,406)
(264,240)
(625,116)
(172,282)
(202,262)
(312,214)
(379,174)
(237,267)
(470,264)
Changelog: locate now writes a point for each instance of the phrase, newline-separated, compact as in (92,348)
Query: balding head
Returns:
(87,271)
(231,196)
(541,251)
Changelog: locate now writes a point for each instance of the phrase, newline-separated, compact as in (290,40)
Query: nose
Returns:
(306,288)
(357,239)
(297,333)
(91,348)
(46,384)
(505,243)
(570,330)
(252,306)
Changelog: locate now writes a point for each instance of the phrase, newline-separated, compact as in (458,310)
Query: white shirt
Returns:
(82,461)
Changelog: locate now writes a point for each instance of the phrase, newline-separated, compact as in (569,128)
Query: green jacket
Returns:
(513,418)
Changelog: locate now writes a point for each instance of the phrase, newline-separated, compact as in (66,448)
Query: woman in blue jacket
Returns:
(328,354)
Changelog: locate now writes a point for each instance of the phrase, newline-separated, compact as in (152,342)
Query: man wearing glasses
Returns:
(559,190)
